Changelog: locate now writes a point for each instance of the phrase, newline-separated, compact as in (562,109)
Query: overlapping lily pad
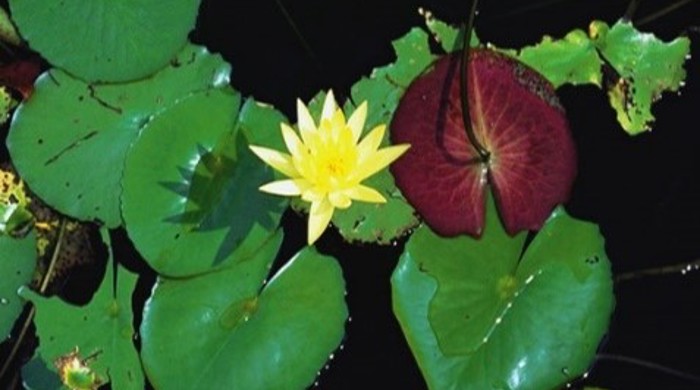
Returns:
(104,327)
(70,139)
(191,200)
(479,314)
(571,60)
(514,113)
(645,66)
(104,40)
(230,329)
(385,222)
(634,67)
(16,267)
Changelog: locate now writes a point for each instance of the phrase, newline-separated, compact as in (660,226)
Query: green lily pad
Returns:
(261,124)
(636,67)
(370,222)
(478,315)
(103,40)
(103,327)
(412,57)
(68,126)
(231,329)
(646,66)
(385,222)
(449,37)
(36,375)
(191,200)
(8,32)
(570,60)
(16,267)
(641,67)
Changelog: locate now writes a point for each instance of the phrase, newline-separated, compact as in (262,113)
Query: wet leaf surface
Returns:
(17,265)
(515,115)
(69,125)
(103,327)
(235,329)
(478,314)
(131,40)
(191,200)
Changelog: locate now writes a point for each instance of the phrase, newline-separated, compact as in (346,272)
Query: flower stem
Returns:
(662,12)
(649,365)
(42,289)
(463,87)
(669,269)
(631,9)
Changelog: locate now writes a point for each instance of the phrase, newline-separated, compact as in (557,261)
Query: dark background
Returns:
(643,191)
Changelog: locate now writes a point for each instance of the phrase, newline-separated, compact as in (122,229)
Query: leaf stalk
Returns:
(484,154)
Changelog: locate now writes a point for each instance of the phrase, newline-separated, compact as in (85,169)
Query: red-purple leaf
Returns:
(515,114)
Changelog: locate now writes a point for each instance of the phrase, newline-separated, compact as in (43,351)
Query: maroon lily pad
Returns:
(515,114)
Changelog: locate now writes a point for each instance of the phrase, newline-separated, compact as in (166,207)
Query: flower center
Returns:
(336,166)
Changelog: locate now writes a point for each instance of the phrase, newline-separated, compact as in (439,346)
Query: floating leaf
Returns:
(103,327)
(449,37)
(515,114)
(478,315)
(16,266)
(229,329)
(8,32)
(646,67)
(413,56)
(36,375)
(636,67)
(191,200)
(380,223)
(68,125)
(103,40)
(260,123)
(570,60)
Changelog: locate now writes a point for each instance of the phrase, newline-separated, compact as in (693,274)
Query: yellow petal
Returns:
(337,125)
(329,106)
(365,194)
(288,187)
(306,124)
(291,139)
(371,142)
(278,160)
(319,216)
(313,194)
(304,119)
(339,199)
(306,165)
(357,121)
(378,160)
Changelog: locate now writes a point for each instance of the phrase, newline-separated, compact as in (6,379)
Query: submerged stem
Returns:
(649,365)
(665,270)
(42,289)
(631,9)
(662,12)
(297,32)
(463,87)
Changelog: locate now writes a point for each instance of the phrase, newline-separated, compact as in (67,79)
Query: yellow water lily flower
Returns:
(327,164)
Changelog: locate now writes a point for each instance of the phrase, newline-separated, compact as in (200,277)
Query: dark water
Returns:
(643,191)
